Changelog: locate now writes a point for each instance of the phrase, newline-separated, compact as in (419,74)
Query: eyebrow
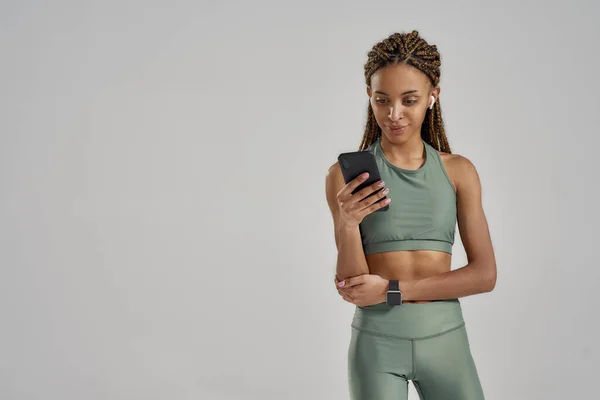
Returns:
(407,92)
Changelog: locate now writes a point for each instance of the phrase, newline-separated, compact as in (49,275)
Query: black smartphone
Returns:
(355,163)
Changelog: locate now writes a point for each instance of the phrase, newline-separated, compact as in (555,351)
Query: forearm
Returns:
(351,259)
(474,278)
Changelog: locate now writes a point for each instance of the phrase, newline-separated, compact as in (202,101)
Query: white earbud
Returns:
(432,102)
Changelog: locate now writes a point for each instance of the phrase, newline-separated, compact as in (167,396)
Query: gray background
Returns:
(163,226)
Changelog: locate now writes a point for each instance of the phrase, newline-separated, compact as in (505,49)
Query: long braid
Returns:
(413,50)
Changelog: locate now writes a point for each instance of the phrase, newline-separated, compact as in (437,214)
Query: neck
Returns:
(410,150)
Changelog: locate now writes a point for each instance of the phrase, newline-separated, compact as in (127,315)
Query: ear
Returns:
(369,91)
(435,92)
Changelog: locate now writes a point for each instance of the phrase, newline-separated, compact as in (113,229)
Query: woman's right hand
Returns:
(354,207)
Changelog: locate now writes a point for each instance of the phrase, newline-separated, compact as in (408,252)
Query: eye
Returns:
(411,101)
(380,101)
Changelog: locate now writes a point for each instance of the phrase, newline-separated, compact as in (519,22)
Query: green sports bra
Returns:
(422,213)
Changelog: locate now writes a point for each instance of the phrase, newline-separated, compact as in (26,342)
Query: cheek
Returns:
(381,112)
(417,114)
(412,114)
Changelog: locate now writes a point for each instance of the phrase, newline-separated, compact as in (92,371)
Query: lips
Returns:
(397,128)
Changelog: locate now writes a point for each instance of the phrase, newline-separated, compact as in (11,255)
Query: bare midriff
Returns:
(409,265)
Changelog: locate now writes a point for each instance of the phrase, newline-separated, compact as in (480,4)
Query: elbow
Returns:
(489,278)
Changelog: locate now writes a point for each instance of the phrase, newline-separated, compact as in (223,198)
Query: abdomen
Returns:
(409,265)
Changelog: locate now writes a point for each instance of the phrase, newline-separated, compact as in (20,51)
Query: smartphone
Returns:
(355,163)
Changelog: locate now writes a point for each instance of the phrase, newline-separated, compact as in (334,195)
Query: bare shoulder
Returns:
(460,169)
(334,171)
(333,183)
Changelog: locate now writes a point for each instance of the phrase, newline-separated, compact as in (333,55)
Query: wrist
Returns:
(346,226)
(385,288)
(394,295)
(405,289)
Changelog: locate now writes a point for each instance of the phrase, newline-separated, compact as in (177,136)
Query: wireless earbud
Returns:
(431,103)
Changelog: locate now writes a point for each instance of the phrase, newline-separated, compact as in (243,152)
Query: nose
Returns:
(395,113)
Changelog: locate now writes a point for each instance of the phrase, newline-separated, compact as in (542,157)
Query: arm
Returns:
(479,275)
(351,259)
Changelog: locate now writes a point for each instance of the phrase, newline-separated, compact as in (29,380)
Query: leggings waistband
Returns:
(410,320)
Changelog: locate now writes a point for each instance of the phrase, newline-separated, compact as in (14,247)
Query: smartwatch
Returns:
(394,295)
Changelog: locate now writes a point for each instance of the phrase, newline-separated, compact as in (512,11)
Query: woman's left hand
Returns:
(363,290)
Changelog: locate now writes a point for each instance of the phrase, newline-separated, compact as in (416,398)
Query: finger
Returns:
(346,291)
(372,200)
(353,281)
(364,198)
(346,191)
(363,193)
(373,207)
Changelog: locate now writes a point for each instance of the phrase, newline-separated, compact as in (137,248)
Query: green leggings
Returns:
(425,343)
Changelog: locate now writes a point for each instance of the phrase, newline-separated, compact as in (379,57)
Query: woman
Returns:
(395,265)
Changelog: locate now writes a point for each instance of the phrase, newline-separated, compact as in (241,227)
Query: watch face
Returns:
(394,298)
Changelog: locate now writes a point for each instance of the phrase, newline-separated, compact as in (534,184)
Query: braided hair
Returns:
(411,49)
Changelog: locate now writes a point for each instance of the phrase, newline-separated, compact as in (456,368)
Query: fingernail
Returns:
(341,284)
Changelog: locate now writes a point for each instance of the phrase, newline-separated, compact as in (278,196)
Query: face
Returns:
(399,95)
